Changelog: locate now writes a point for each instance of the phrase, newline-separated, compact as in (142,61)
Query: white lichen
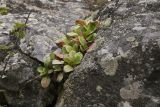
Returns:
(131,91)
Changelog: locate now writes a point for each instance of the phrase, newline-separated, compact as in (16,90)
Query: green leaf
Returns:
(67,59)
(6,47)
(81,48)
(60,77)
(47,61)
(92,26)
(75,28)
(75,46)
(42,70)
(71,55)
(57,62)
(83,42)
(67,68)
(91,38)
(69,48)
(86,33)
(52,56)
(65,40)
(72,34)
(70,58)
(19,30)
(78,57)
(19,25)
(57,68)
(50,71)
(21,34)
(64,51)
(45,82)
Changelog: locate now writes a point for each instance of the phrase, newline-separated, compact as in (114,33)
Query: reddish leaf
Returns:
(81,22)
(58,53)
(60,43)
(91,47)
(45,81)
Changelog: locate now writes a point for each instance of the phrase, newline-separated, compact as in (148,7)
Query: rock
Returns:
(48,21)
(124,71)
(20,69)
(95,4)
(16,68)
(5,44)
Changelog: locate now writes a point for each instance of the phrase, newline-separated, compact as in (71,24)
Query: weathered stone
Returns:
(5,44)
(20,69)
(45,25)
(49,20)
(95,4)
(129,55)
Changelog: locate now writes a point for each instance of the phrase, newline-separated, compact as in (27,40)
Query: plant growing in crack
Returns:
(19,28)
(18,32)
(4,10)
(70,53)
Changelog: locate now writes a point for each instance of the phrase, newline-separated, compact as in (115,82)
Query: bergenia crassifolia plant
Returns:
(71,50)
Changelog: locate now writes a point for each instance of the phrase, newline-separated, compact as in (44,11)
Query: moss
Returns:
(6,47)
(19,30)
(1,22)
(4,10)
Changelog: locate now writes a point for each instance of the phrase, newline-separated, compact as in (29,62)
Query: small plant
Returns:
(19,30)
(6,47)
(73,58)
(1,23)
(4,10)
(70,53)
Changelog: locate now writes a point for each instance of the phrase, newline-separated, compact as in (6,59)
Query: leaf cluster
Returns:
(70,53)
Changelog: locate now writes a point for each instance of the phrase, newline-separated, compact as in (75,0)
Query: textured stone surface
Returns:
(121,71)
(95,4)
(48,21)
(18,70)
(124,70)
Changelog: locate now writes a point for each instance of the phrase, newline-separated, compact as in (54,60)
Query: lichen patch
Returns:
(99,88)
(132,91)
(109,66)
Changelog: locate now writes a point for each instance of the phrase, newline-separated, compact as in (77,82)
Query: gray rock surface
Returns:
(49,20)
(20,69)
(96,4)
(124,71)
